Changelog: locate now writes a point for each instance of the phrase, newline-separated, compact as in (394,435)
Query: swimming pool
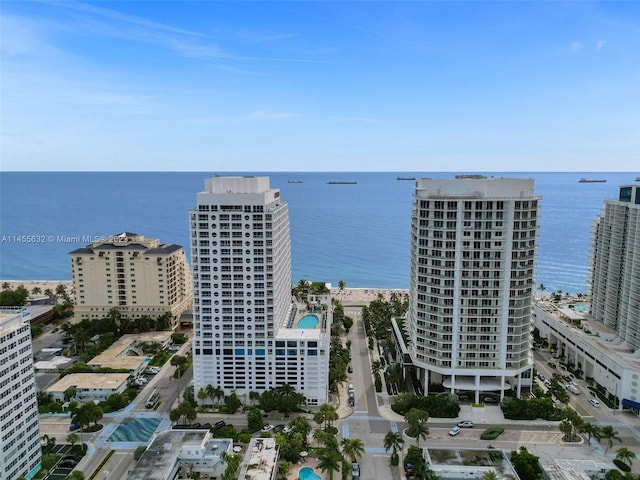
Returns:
(581,308)
(308,473)
(308,321)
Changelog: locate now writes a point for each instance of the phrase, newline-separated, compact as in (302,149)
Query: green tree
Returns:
(526,464)
(164,321)
(625,455)
(254,420)
(393,441)
(87,413)
(609,434)
(591,430)
(329,461)
(417,420)
(302,426)
(352,448)
(232,402)
(69,393)
(73,438)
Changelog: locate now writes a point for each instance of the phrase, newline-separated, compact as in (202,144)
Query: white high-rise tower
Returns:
(615,266)
(247,335)
(473,247)
(19,429)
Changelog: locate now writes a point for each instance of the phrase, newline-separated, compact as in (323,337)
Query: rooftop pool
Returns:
(308,321)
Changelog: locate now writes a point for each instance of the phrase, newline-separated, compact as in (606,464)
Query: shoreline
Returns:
(41,284)
(351,295)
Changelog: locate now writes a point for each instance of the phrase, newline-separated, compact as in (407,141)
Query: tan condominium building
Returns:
(138,276)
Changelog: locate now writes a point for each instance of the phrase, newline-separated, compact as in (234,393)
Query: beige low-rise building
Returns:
(138,276)
(89,386)
(126,352)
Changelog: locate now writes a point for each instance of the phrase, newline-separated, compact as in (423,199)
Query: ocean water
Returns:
(357,233)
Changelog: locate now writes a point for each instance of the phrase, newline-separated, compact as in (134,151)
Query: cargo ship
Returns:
(590,180)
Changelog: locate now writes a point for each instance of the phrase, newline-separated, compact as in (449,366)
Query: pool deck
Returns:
(308,462)
(300,312)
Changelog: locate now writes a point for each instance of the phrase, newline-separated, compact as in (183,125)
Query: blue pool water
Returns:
(581,308)
(135,430)
(308,473)
(308,321)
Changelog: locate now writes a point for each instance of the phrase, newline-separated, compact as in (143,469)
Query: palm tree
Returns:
(591,430)
(417,420)
(566,428)
(625,455)
(329,461)
(490,475)
(376,366)
(72,438)
(352,448)
(254,397)
(607,432)
(202,394)
(393,441)
(211,392)
(341,286)
(36,290)
(218,393)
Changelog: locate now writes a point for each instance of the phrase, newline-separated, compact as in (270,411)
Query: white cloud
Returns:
(600,45)
(576,46)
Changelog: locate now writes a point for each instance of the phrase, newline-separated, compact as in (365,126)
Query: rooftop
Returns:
(97,381)
(124,354)
(260,460)
(164,452)
(590,331)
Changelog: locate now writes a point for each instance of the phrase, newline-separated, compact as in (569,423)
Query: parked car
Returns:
(278,428)
(567,378)
(541,377)
(267,428)
(286,429)
(595,402)
(219,424)
(350,369)
(454,431)
(465,424)
(55,330)
(355,470)
(489,400)
(73,427)
(552,365)
(352,401)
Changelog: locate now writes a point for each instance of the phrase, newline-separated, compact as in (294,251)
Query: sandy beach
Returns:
(348,296)
(41,284)
(362,296)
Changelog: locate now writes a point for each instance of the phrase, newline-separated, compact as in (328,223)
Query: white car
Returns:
(595,402)
(267,428)
(286,429)
(465,424)
(141,381)
(454,431)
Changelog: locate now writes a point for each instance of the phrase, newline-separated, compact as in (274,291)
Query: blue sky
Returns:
(331,86)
